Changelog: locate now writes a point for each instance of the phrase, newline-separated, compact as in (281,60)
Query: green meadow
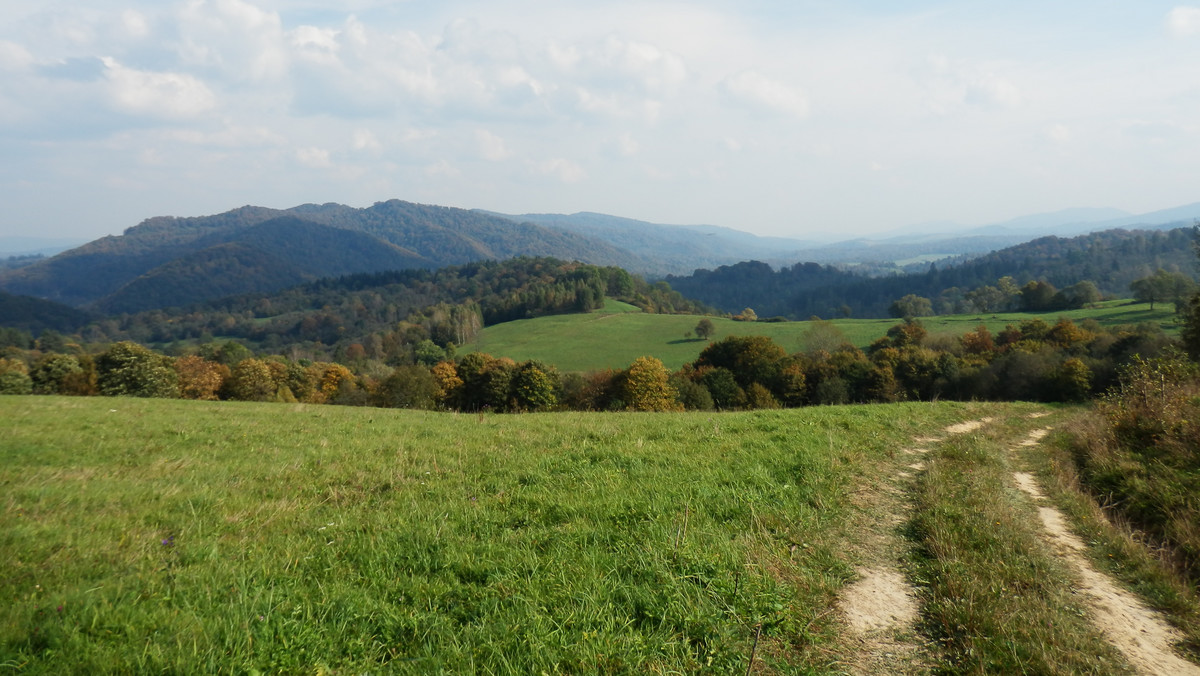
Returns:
(194,537)
(151,536)
(619,333)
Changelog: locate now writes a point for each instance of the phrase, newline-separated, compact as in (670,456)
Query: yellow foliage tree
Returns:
(645,387)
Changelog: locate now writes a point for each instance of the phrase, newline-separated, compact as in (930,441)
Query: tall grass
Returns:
(1141,454)
(194,537)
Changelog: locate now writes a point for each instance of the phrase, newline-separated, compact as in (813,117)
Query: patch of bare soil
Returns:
(1035,437)
(881,610)
(1137,631)
(969,426)
(880,600)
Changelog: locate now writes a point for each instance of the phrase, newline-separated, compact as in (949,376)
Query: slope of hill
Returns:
(36,314)
(385,311)
(669,249)
(681,249)
(270,256)
(613,337)
(315,241)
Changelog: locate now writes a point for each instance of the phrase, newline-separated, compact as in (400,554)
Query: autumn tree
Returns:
(409,386)
(251,380)
(645,386)
(1038,296)
(746,315)
(51,372)
(445,374)
(1190,335)
(485,382)
(822,335)
(979,342)
(128,369)
(14,377)
(723,388)
(751,359)
(200,378)
(705,329)
(535,387)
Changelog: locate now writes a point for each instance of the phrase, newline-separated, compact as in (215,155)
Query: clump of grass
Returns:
(995,599)
(1141,455)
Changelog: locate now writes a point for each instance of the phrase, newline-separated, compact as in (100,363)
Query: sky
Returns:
(807,118)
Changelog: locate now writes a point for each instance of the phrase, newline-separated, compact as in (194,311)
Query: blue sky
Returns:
(806,119)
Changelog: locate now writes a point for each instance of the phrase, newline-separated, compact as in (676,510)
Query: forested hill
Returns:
(1111,260)
(167,261)
(35,315)
(388,313)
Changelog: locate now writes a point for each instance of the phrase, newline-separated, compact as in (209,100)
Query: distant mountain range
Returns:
(680,249)
(169,261)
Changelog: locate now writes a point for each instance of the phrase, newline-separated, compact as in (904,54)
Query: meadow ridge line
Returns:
(1140,633)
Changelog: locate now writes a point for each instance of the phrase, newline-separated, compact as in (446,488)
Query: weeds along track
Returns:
(1141,634)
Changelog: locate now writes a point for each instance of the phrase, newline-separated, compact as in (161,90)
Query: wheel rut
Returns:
(1140,633)
(881,607)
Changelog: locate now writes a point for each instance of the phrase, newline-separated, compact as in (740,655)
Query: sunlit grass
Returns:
(152,535)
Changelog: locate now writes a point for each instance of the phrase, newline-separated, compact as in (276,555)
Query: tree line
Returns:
(1031,360)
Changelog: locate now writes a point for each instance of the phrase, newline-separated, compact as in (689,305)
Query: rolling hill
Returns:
(168,261)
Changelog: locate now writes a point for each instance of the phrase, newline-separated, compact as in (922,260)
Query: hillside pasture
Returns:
(618,334)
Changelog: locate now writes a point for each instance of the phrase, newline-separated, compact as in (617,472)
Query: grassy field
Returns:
(618,334)
(221,537)
(155,535)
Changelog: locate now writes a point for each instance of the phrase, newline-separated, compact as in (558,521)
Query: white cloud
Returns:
(562,169)
(319,44)
(14,57)
(992,91)
(231,138)
(951,85)
(442,168)
(1059,133)
(242,40)
(134,23)
(753,87)
(365,140)
(491,147)
(314,158)
(627,145)
(157,94)
(1184,21)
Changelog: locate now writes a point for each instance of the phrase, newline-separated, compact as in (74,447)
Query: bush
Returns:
(1143,455)
(128,369)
